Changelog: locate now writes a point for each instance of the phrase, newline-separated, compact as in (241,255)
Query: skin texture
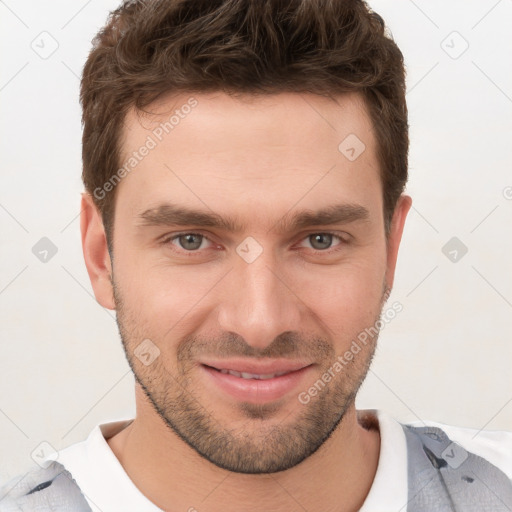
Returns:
(258,160)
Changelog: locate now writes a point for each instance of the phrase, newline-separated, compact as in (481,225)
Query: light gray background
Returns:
(445,357)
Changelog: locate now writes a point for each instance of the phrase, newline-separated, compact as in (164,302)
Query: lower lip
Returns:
(257,390)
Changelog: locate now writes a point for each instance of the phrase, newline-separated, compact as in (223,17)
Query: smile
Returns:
(245,375)
(256,382)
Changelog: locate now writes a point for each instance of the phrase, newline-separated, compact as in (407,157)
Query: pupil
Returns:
(327,240)
(189,239)
(319,241)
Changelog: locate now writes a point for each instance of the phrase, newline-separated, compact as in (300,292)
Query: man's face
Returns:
(268,297)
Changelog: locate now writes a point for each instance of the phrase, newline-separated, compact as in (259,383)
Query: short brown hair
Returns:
(155,47)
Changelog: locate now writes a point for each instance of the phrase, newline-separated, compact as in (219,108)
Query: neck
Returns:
(336,478)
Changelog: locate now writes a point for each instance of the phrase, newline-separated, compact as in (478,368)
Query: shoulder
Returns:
(49,488)
(492,445)
(449,468)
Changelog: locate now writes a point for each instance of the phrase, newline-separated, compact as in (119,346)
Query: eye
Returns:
(323,241)
(190,242)
(194,242)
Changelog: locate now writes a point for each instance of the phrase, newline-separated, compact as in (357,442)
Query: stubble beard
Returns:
(259,444)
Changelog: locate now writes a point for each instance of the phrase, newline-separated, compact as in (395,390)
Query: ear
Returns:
(402,208)
(95,249)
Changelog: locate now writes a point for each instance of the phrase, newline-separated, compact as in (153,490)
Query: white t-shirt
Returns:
(108,488)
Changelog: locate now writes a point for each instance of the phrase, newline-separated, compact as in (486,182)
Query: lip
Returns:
(255,390)
(255,367)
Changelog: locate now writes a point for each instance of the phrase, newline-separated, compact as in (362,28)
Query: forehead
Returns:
(285,118)
(255,150)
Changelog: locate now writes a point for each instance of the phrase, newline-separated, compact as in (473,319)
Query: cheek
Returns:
(169,301)
(164,300)
(348,298)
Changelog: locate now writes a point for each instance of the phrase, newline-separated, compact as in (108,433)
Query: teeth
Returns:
(245,375)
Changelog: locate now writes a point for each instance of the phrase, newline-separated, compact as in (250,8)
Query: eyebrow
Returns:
(174,215)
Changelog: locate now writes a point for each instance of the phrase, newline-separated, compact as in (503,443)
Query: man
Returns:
(244,166)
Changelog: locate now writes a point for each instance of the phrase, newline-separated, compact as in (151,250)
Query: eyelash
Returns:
(171,238)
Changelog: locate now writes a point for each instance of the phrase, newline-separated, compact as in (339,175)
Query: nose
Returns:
(260,302)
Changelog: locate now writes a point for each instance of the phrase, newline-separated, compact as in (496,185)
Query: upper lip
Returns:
(257,367)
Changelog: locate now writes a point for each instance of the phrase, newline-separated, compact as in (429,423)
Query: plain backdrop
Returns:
(445,357)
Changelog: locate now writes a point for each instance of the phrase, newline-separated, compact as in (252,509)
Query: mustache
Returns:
(288,344)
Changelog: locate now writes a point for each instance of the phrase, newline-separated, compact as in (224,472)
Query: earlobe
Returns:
(402,208)
(95,250)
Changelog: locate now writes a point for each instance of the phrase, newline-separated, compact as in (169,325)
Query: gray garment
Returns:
(443,477)
(43,490)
